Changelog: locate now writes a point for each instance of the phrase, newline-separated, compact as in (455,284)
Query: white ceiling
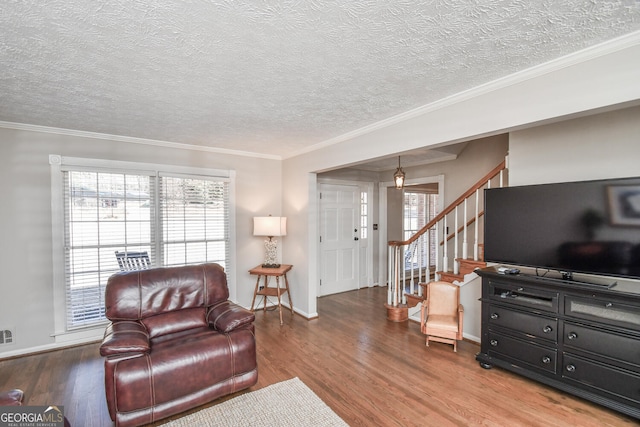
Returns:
(272,77)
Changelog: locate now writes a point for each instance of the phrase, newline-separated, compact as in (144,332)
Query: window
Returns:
(195,221)
(171,218)
(104,213)
(419,208)
(364,215)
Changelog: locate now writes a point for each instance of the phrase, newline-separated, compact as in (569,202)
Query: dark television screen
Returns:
(588,227)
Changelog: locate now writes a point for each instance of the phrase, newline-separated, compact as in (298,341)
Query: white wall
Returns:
(596,147)
(26,302)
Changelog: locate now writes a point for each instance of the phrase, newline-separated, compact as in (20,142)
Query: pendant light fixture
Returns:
(398,177)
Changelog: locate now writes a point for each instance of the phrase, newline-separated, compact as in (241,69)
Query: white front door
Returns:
(339,238)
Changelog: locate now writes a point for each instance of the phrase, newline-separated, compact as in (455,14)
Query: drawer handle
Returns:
(546,360)
(572,335)
(608,305)
(547,329)
(494,343)
(494,316)
(571,368)
(520,289)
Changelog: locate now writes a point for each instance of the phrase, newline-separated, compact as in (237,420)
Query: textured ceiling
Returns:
(272,77)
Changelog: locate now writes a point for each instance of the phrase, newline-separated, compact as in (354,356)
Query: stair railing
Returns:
(409,261)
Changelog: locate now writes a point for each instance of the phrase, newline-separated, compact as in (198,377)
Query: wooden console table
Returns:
(266,291)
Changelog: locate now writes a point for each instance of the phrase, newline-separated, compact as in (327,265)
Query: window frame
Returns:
(59,164)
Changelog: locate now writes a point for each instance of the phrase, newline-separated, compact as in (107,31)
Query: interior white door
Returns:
(339,238)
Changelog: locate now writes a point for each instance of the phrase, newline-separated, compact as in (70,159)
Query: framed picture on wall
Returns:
(624,204)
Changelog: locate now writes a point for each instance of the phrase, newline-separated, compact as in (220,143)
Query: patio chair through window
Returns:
(131,261)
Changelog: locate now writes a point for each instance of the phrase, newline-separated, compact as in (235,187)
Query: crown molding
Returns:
(592,52)
(133,140)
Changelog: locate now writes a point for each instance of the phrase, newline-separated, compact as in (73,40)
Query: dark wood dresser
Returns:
(581,338)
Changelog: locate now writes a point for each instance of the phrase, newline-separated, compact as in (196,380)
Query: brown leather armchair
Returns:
(442,314)
(174,342)
(12,397)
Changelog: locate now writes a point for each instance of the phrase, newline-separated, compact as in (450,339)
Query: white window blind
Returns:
(171,220)
(195,226)
(419,208)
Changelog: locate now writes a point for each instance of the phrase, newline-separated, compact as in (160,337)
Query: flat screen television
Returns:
(590,227)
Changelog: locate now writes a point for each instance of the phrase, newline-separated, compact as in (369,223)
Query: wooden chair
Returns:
(442,314)
(131,261)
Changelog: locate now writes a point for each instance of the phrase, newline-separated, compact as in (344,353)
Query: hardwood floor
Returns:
(370,371)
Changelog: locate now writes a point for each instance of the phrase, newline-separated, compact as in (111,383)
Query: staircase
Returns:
(435,253)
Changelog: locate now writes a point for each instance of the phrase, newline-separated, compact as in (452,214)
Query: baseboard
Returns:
(272,304)
(471,338)
(46,348)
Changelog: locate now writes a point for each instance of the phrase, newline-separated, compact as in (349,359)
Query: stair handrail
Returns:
(452,206)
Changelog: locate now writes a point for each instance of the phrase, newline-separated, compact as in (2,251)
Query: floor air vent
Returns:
(6,336)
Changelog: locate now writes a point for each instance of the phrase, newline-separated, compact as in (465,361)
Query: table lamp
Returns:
(270,226)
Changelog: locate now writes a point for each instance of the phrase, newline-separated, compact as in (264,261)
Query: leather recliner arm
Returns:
(227,316)
(125,337)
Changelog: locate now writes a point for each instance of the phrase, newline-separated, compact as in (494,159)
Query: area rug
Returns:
(284,404)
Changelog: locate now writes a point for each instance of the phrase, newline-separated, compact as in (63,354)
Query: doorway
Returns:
(345,230)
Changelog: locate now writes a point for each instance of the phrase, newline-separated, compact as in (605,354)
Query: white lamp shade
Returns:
(269,226)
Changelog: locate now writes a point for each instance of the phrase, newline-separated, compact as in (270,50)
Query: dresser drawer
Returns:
(623,385)
(521,352)
(604,310)
(525,323)
(621,347)
(523,296)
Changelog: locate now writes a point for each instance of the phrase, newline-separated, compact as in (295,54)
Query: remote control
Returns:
(507,270)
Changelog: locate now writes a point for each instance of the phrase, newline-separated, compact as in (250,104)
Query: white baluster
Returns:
(390,274)
(465,243)
(427,274)
(423,269)
(456,266)
(397,277)
(421,256)
(415,278)
(445,250)
(437,252)
(475,230)
(404,269)
(403,275)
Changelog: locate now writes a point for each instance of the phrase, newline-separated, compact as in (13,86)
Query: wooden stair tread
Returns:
(479,263)
(449,276)
(413,299)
